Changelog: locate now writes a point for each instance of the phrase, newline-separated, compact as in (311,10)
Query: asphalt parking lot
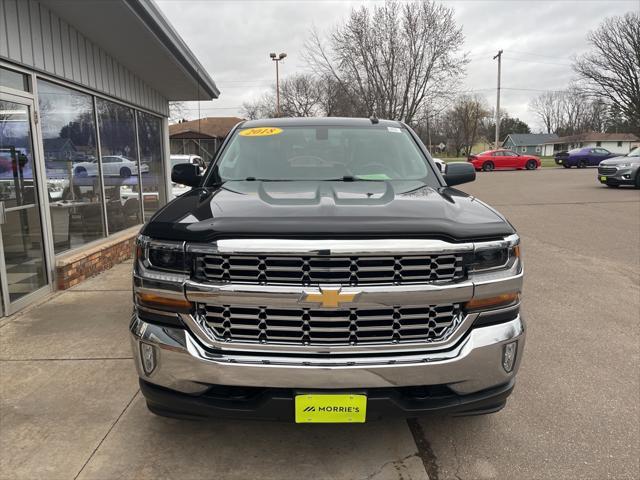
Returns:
(70,406)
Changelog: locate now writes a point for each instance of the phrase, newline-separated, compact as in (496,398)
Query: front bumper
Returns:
(624,176)
(182,364)
(279,404)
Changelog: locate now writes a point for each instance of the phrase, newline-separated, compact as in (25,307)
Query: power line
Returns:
(526,60)
(538,55)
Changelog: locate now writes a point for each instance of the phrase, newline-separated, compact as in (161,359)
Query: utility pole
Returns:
(277,60)
(499,57)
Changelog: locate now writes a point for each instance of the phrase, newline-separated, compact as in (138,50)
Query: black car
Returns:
(324,270)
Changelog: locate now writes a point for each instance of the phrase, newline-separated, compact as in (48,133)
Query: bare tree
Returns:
(548,108)
(177,111)
(394,58)
(469,112)
(570,112)
(262,107)
(462,123)
(300,96)
(612,69)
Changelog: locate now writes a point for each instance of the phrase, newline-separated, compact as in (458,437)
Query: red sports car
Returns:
(499,159)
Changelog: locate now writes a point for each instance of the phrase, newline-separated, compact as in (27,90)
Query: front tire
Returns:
(566,166)
(488,166)
(612,186)
(638,179)
(582,164)
(531,165)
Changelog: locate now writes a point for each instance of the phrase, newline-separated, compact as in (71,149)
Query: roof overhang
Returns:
(139,36)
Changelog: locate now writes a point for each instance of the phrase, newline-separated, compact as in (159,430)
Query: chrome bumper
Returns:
(182,364)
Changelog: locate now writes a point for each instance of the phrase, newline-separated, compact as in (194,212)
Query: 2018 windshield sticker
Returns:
(394,129)
(260,132)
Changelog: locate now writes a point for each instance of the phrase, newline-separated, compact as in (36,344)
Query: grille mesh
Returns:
(309,326)
(605,170)
(348,270)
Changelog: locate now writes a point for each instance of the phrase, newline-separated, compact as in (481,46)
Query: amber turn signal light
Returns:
(164,303)
(492,302)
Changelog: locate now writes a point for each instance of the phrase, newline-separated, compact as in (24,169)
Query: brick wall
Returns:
(73,269)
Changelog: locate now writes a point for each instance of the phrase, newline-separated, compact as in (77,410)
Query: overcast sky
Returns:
(232,39)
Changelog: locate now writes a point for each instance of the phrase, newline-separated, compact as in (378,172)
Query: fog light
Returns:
(509,356)
(148,357)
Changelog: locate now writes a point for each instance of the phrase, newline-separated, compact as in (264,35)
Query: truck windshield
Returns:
(372,153)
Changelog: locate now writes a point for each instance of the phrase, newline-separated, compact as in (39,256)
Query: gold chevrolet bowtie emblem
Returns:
(329,297)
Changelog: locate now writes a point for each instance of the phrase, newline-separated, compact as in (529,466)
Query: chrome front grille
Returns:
(349,326)
(317,270)
(607,170)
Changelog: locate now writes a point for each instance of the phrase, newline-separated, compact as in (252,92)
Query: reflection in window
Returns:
(150,142)
(120,165)
(13,79)
(73,183)
(22,246)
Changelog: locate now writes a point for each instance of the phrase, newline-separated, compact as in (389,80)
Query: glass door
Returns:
(23,267)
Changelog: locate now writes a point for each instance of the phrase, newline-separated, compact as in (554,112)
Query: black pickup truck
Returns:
(324,270)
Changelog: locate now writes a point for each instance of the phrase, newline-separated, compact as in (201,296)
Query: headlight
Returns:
(494,256)
(161,255)
(624,165)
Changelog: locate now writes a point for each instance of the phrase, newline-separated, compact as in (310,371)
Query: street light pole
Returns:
(499,57)
(277,60)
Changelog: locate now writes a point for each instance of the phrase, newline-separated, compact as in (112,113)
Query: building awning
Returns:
(137,34)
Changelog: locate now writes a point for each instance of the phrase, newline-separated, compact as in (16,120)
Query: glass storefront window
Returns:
(20,232)
(116,124)
(150,142)
(73,182)
(13,79)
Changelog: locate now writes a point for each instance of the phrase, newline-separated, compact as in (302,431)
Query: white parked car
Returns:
(112,165)
(193,159)
(440,164)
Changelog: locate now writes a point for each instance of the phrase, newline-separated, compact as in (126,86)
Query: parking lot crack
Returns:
(107,434)
(395,463)
(425,451)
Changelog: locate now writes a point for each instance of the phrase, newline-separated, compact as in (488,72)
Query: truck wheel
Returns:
(582,164)
(125,172)
(81,172)
(488,166)
(531,165)
(566,166)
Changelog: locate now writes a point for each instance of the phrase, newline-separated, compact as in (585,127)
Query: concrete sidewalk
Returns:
(70,408)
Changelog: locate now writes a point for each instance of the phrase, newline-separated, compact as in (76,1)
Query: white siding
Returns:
(548,150)
(34,36)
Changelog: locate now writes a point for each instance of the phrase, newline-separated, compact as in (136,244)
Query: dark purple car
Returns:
(583,157)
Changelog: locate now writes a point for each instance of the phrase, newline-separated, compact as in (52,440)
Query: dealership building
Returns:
(84,139)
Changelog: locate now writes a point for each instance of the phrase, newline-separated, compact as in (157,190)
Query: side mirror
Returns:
(186,174)
(456,173)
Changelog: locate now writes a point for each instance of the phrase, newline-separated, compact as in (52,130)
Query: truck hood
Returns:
(314,209)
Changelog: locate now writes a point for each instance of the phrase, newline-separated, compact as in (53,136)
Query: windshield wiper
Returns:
(354,178)
(254,179)
(345,178)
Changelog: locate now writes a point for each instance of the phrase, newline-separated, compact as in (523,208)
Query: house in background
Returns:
(528,143)
(621,143)
(200,137)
